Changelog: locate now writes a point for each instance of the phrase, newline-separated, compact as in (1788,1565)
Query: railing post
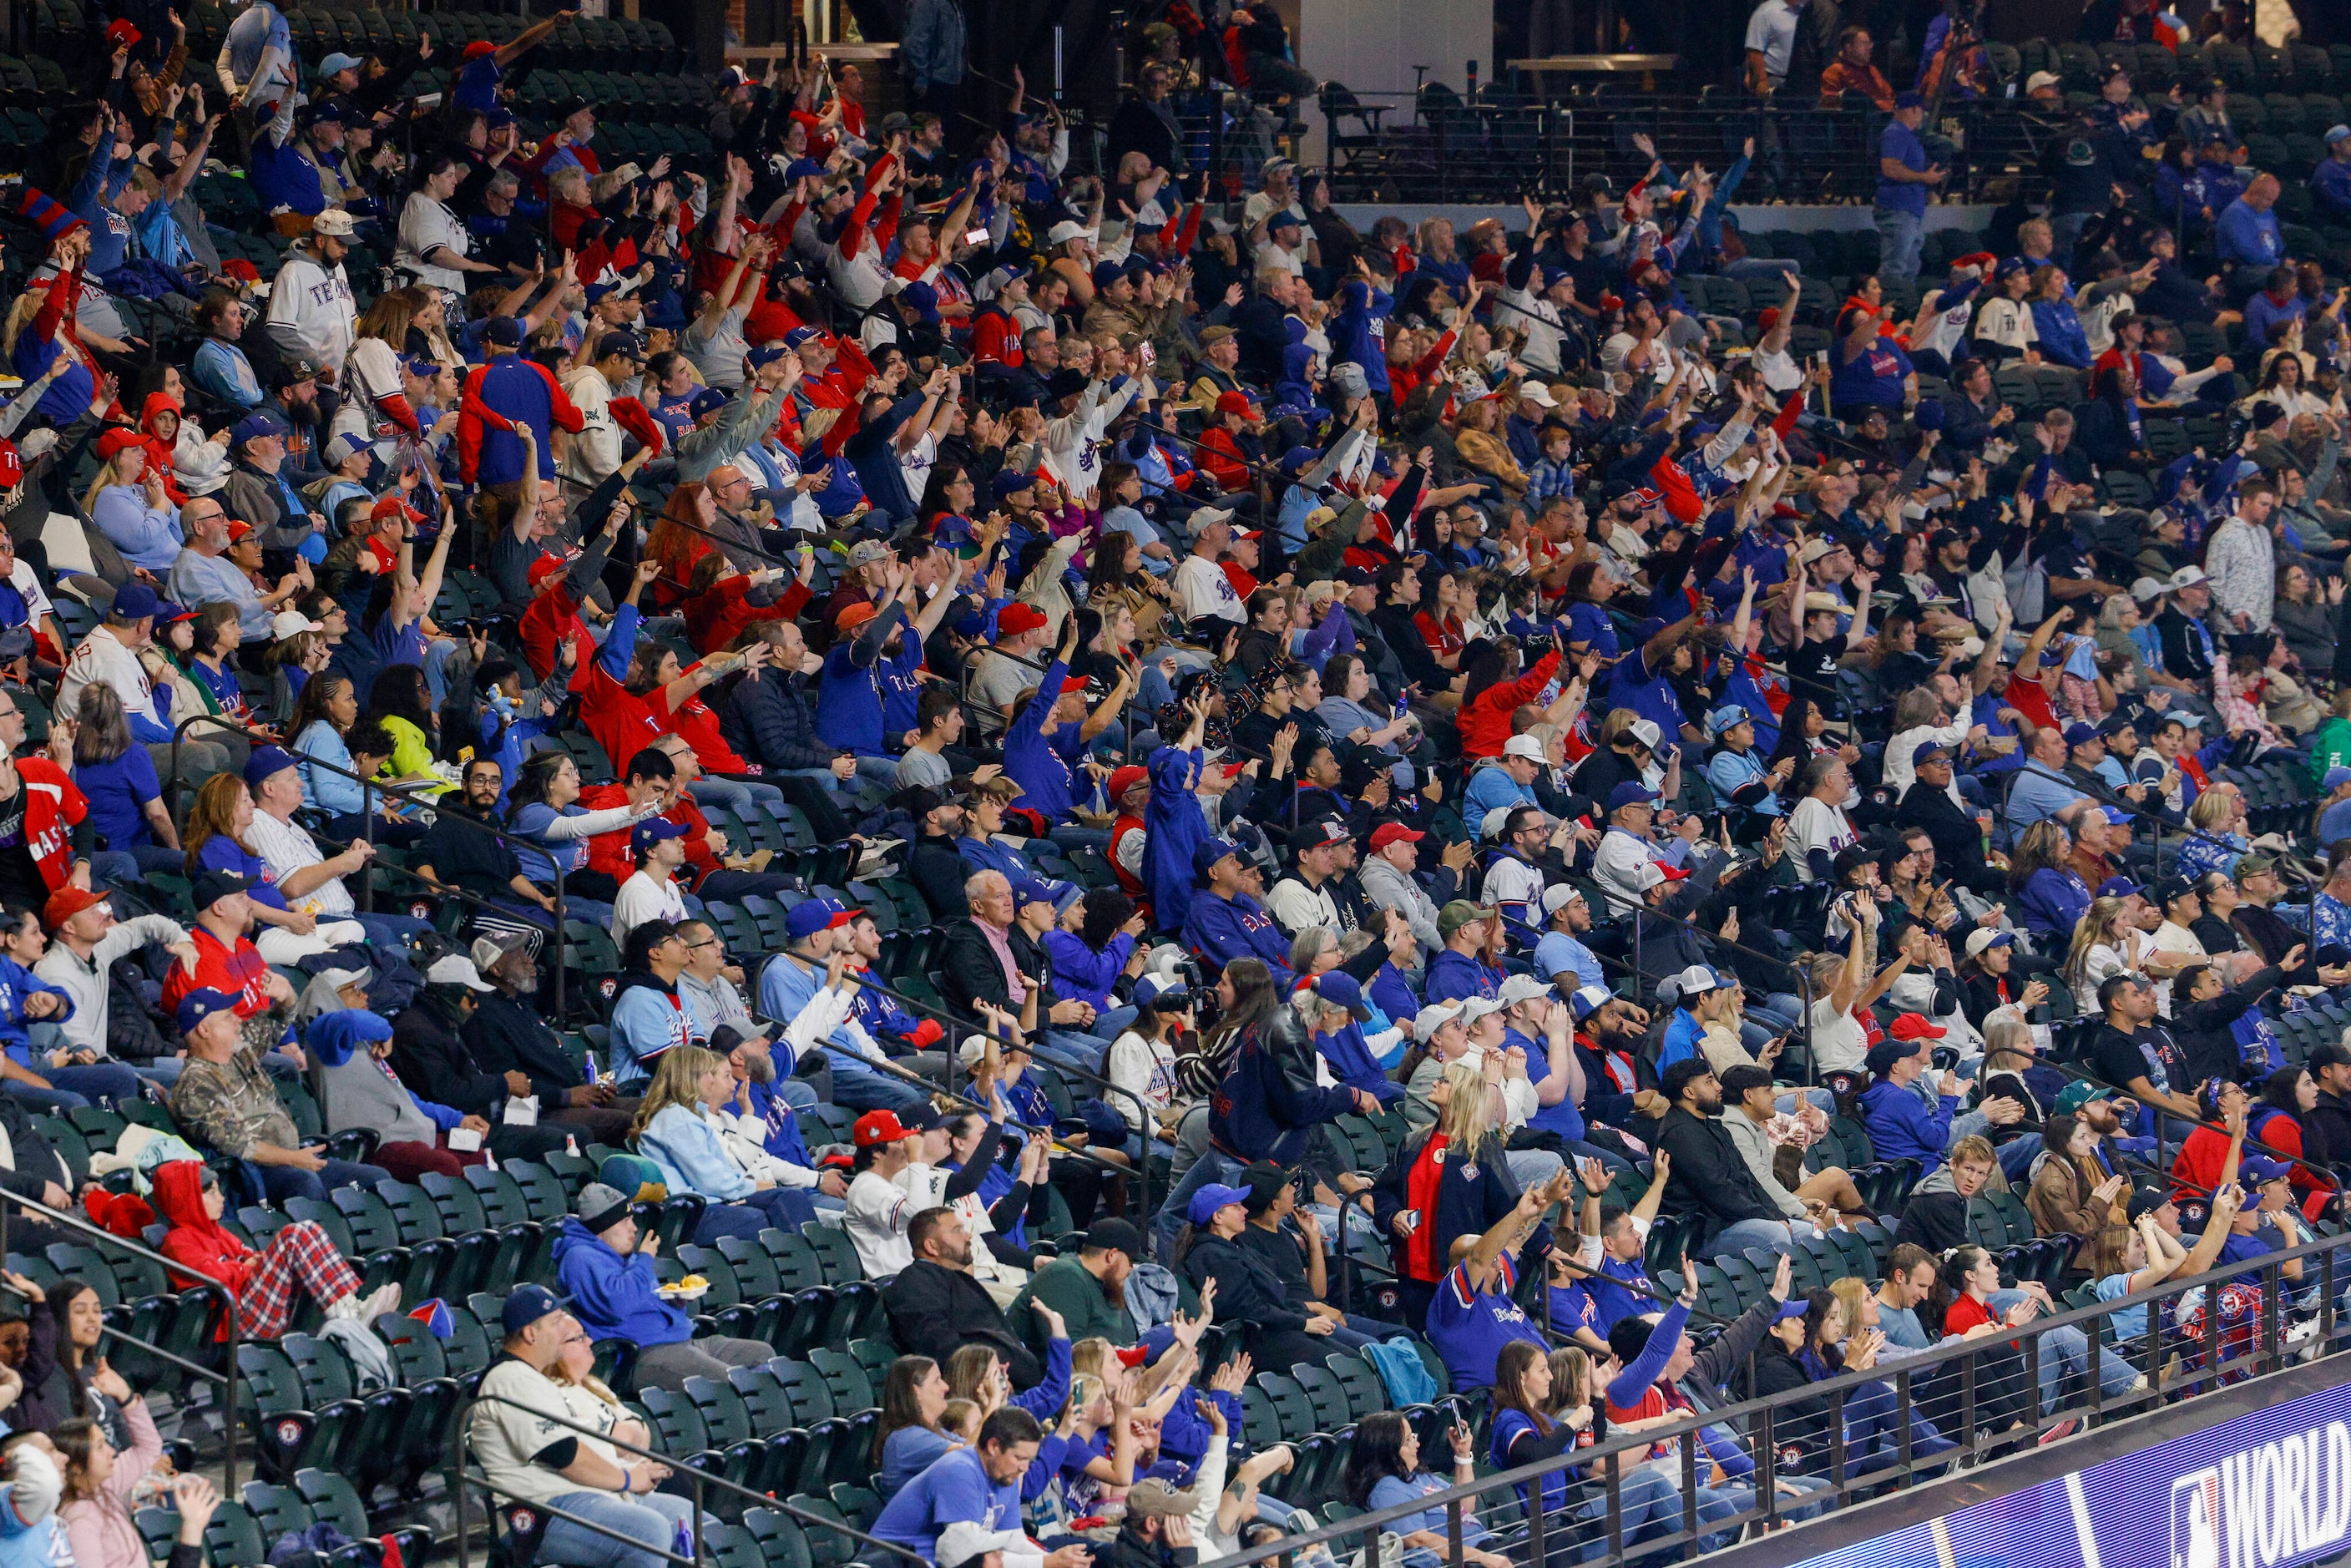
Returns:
(1614,1512)
(228,1427)
(1689,1494)
(1452,1533)
(557,1011)
(1767,1467)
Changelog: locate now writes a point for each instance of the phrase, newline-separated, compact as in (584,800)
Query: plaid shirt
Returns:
(1547,478)
(233,1105)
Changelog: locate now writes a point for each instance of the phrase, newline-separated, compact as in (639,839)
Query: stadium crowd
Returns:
(1387,792)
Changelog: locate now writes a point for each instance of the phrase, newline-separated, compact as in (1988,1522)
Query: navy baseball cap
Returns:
(1339,990)
(200,1005)
(1630,793)
(1030,890)
(526,1304)
(1205,856)
(504,330)
(264,761)
(135,602)
(2252,1167)
(651,831)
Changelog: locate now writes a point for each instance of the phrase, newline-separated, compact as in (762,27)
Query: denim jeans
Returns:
(1649,1507)
(1079,1049)
(1900,236)
(646,1524)
(1873,1430)
(737,795)
(858,1087)
(164,1071)
(1771,1233)
(103,1082)
(280,1183)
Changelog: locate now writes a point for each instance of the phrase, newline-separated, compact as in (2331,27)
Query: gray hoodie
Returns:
(363,1093)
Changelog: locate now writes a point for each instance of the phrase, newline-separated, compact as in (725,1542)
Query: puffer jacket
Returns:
(767,720)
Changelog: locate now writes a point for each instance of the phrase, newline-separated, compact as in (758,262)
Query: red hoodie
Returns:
(159,451)
(197,1242)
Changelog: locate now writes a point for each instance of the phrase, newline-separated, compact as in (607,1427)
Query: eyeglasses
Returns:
(698,946)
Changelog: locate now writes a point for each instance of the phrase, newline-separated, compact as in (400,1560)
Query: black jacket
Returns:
(937,868)
(2330,1120)
(1247,1289)
(1710,1179)
(1958,840)
(434,1062)
(1126,1552)
(935,1310)
(1936,1221)
(768,721)
(2203,1028)
(508,1034)
(1467,1204)
(970,971)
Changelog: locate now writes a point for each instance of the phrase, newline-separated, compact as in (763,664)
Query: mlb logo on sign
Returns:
(2196,1519)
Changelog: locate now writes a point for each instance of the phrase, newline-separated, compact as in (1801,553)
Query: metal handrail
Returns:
(367,788)
(1366,1527)
(66,1220)
(698,1479)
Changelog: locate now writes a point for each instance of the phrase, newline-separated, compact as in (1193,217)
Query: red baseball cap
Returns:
(1015,619)
(876,1127)
(1670,873)
(239,530)
(1126,778)
(116,440)
(480,47)
(67,903)
(1233,403)
(545,567)
(393,503)
(856,615)
(12,466)
(122,35)
(1387,833)
(1912,1026)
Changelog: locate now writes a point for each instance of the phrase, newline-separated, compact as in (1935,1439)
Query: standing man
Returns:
(933,48)
(1904,179)
(310,312)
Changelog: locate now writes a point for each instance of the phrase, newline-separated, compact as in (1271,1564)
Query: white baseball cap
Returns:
(456,969)
(291,623)
(1431,1019)
(2188,577)
(1525,745)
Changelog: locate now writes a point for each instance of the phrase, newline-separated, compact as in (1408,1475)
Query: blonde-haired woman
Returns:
(129,505)
(2102,947)
(675,1129)
(1458,1166)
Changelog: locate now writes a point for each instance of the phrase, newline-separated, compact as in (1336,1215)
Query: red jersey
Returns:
(698,727)
(238,972)
(623,722)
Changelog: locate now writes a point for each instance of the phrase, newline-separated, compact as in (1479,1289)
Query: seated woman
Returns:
(1096,944)
(1384,1470)
(49,1076)
(126,799)
(218,823)
(909,1435)
(260,1283)
(358,1088)
(1965,1289)
(543,805)
(1811,1343)
(2073,1194)
(103,1483)
(674,1129)
(976,1373)
(1540,1414)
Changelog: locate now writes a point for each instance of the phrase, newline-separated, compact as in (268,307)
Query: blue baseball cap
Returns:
(801,337)
(2252,1167)
(258,427)
(1009,482)
(526,1304)
(504,330)
(1282,219)
(337,62)
(1030,890)
(803,169)
(200,1005)
(135,602)
(1586,1000)
(264,761)
(1107,273)
(2079,734)
(710,400)
(810,915)
(2118,887)
(2117,819)
(651,831)
(1214,1195)
(1727,718)
(765,354)
(1630,793)
(1162,991)
(1207,855)
(1339,990)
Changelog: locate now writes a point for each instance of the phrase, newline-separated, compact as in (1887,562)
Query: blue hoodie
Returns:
(1352,1064)
(17,984)
(614,1296)
(1900,1126)
(1359,332)
(1173,826)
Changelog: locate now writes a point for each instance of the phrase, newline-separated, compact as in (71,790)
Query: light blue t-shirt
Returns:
(1558,952)
(2129,1323)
